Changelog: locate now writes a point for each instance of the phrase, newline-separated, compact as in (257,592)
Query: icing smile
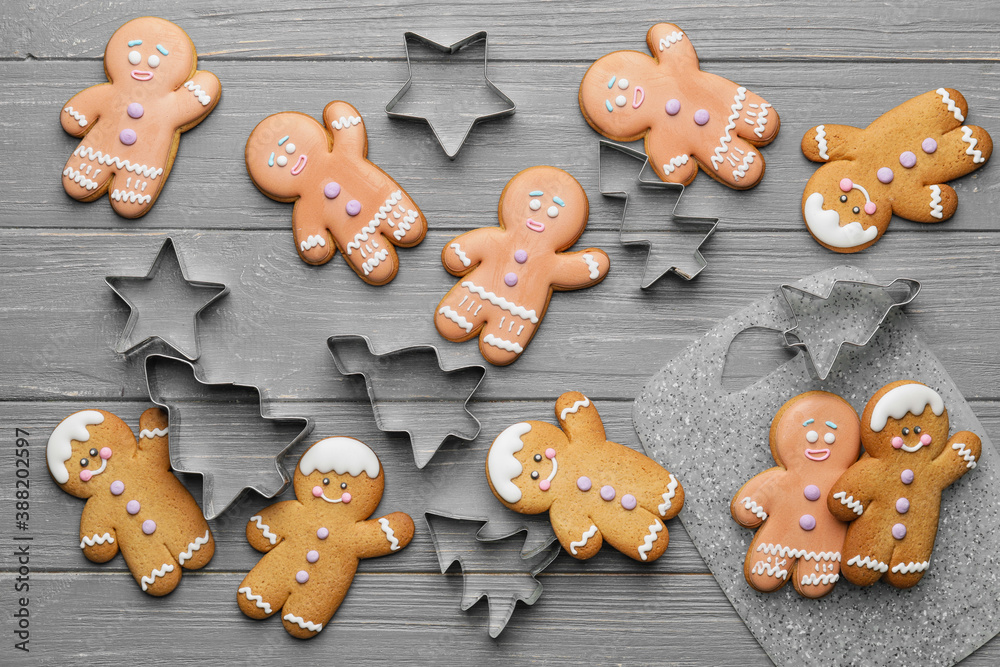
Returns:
(141,75)
(318,492)
(817,454)
(534,225)
(300,164)
(637,97)
(87,475)
(547,482)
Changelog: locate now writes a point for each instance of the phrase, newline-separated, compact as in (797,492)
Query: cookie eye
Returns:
(812,436)
(906,431)
(843,197)
(93,452)
(856,210)
(154,61)
(829,438)
(289,148)
(538,457)
(134,57)
(343,485)
(620,100)
(84,463)
(623,83)
(552,211)
(326,480)
(534,204)
(916,429)
(534,474)
(282,160)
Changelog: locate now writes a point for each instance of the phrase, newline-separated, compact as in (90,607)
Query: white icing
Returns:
(196,90)
(101,158)
(669,167)
(936,208)
(668,496)
(755,508)
(264,529)
(647,542)
(776,570)
(149,580)
(946,99)
(130,196)
(816,579)
(390,535)
(789,552)
(312,241)
(502,343)
(966,454)
(672,38)
(723,147)
(302,623)
(852,504)
(501,464)
(870,563)
(373,261)
(909,568)
(592,265)
(501,302)
(967,137)
(376,220)
(555,467)
(825,225)
(60,446)
(404,224)
(79,117)
(761,120)
(821,141)
(96,539)
(345,121)
(256,599)
(573,409)
(461,254)
(583,539)
(452,315)
(741,170)
(155,433)
(855,186)
(913,398)
(192,547)
(80,178)
(340,454)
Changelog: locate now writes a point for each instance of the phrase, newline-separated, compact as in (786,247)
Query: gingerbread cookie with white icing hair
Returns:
(510,271)
(313,544)
(898,164)
(689,118)
(131,126)
(343,201)
(135,504)
(594,490)
(892,496)
(814,437)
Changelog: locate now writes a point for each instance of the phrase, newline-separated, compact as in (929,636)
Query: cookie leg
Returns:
(814,578)
(504,338)
(908,563)
(132,195)
(758,121)
(85,180)
(406,223)
(766,566)
(314,243)
(373,258)
(461,313)
(152,565)
(934,203)
(265,589)
(307,610)
(734,162)
(638,534)
(865,559)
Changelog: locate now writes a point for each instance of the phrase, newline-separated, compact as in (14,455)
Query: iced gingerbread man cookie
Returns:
(688,117)
(131,126)
(134,502)
(510,271)
(594,490)
(312,544)
(892,496)
(814,437)
(342,200)
(898,164)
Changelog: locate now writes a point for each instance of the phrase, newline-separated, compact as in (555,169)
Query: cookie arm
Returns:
(344,123)
(576,531)
(265,528)
(197,97)
(669,44)
(385,535)
(577,270)
(98,538)
(959,456)
(83,109)
(752,502)
(853,490)
(825,143)
(153,438)
(464,253)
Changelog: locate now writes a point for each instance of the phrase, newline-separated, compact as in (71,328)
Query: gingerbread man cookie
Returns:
(898,164)
(131,127)
(312,544)
(593,489)
(689,118)
(342,200)
(511,271)
(814,438)
(892,496)
(134,502)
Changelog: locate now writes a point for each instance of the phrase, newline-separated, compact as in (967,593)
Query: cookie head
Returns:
(612,95)
(907,420)
(151,52)
(340,475)
(544,206)
(816,430)
(279,151)
(84,449)
(522,466)
(841,212)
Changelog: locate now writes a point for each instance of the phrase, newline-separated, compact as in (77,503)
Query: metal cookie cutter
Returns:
(430,406)
(494,569)
(448,103)
(673,241)
(156,304)
(849,313)
(220,431)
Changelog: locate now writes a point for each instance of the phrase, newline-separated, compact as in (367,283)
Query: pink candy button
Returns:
(317,491)
(85,475)
(105,453)
(846,184)
(345,498)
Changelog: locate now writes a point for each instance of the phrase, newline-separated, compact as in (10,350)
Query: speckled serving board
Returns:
(714,440)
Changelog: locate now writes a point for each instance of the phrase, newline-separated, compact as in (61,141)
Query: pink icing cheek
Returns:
(346,498)
(544,485)
(105,453)
(897,442)
(846,184)
(317,491)
(926,439)
(870,208)
(85,475)
(550,453)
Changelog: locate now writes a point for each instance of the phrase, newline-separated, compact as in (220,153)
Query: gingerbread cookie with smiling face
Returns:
(892,496)
(135,504)
(898,164)
(689,118)
(814,438)
(313,544)
(342,200)
(511,271)
(594,490)
(131,127)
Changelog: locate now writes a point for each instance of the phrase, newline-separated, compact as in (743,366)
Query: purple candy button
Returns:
(928,145)
(812,492)
(608,492)
(899,531)
(908,159)
(673,107)
(885,175)
(149,526)
(134,110)
(906,476)
(353,207)
(322,533)
(628,501)
(132,507)
(807,522)
(701,116)
(302,576)
(117,487)
(127,137)
(331,190)
(583,483)
(521,256)
(903,505)
(510,279)
(312,556)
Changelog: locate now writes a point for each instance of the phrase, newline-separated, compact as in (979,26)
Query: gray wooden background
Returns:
(814,60)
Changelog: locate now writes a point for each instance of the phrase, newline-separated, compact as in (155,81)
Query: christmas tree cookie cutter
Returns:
(220,431)
(451,135)
(621,178)
(429,407)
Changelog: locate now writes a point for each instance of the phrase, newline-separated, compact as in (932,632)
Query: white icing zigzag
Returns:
(192,547)
(977,156)
(256,599)
(265,529)
(821,141)
(405,224)
(149,580)
(389,534)
(461,254)
(456,318)
(583,539)
(672,38)
(202,96)
(345,121)
(131,196)
(789,552)
(741,171)
(936,208)
(670,167)
(573,409)
(852,504)
(376,220)
(509,306)
(816,579)
(668,496)
(647,542)
(945,99)
(966,454)
(760,567)
(312,241)
(755,508)
(79,177)
(870,563)
(911,567)
(592,265)
(101,158)
(503,344)
(155,433)
(376,259)
(97,539)
(761,120)
(741,94)
(303,623)
(79,117)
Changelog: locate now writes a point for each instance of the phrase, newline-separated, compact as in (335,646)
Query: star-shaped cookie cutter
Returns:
(659,258)
(482,36)
(859,307)
(169,263)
